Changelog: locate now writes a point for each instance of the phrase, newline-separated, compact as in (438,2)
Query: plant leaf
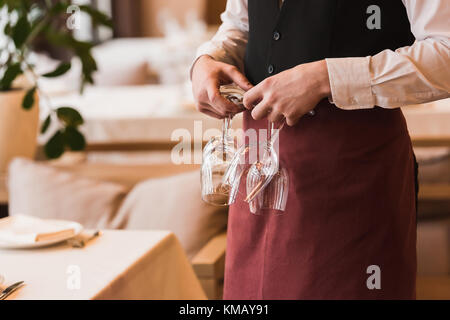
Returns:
(54,148)
(74,139)
(64,39)
(81,49)
(21,30)
(11,73)
(69,116)
(89,66)
(7,29)
(28,100)
(46,124)
(59,71)
(59,7)
(97,17)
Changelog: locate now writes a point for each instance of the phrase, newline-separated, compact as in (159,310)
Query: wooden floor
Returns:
(433,288)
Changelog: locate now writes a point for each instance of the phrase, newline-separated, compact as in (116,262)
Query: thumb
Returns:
(240,79)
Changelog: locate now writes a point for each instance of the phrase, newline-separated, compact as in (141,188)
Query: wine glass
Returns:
(217,155)
(237,171)
(216,159)
(274,196)
(262,171)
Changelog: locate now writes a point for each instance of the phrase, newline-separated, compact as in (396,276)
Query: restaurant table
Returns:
(116,265)
(428,124)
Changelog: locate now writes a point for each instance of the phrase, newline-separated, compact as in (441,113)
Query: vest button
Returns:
(270,69)
(276,36)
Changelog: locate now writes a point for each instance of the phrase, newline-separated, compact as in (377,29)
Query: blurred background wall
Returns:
(140,18)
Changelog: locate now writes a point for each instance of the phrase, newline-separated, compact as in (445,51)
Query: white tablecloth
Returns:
(117,265)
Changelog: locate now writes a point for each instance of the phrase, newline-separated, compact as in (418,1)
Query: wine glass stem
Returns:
(270,130)
(226,126)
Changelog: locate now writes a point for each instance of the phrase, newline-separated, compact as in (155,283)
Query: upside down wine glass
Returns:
(218,154)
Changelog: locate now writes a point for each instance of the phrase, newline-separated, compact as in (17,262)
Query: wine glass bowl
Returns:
(261,172)
(274,196)
(237,171)
(215,164)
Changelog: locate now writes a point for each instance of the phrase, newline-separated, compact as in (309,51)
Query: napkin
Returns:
(233,93)
(27,230)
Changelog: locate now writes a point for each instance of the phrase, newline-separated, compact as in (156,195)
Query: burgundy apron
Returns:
(352,191)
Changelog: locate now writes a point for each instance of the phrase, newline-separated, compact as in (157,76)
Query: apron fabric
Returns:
(352,186)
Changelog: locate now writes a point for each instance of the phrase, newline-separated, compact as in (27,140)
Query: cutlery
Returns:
(81,243)
(12,288)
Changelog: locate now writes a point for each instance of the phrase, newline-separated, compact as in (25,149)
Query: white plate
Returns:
(63,223)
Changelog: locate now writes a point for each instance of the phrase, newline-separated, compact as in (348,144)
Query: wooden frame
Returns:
(135,146)
(443,141)
(209,266)
(3,190)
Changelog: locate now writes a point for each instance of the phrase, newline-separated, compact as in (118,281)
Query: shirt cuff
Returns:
(350,83)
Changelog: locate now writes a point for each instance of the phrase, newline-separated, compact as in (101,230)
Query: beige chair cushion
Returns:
(46,192)
(175,204)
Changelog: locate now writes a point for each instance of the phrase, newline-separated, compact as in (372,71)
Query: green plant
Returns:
(27,21)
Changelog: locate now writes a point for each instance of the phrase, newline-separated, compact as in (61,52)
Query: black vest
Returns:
(310,30)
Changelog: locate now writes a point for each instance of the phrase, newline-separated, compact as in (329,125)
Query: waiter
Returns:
(349,231)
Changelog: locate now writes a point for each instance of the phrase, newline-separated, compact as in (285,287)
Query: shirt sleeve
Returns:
(230,41)
(410,75)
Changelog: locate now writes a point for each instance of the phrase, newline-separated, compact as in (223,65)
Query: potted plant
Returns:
(27,21)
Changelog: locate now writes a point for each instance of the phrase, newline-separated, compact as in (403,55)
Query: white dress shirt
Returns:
(410,75)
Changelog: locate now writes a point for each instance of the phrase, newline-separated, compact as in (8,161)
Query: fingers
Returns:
(211,102)
(266,102)
(204,105)
(292,120)
(207,78)
(205,110)
(261,111)
(237,77)
(211,111)
(253,97)
(293,117)
(275,117)
(219,103)
(265,110)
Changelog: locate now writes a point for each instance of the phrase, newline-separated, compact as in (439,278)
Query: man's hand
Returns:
(290,94)
(207,76)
